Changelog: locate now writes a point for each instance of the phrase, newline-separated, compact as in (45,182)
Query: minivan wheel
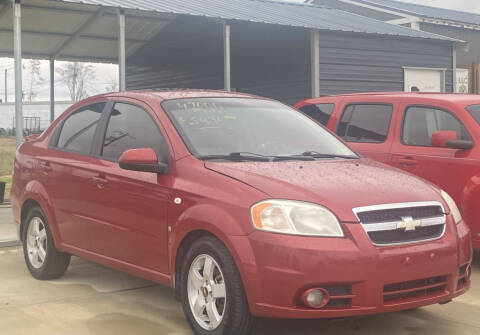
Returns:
(43,260)
(211,291)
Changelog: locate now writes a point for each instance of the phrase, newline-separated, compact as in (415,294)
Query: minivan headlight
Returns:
(457,216)
(295,218)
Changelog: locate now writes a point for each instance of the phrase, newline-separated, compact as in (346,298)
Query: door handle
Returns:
(407,161)
(100,181)
(46,168)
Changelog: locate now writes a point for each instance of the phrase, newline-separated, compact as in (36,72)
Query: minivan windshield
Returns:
(474,111)
(251,129)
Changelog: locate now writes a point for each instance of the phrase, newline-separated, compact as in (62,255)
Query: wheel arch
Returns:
(182,249)
(26,208)
(36,195)
(240,257)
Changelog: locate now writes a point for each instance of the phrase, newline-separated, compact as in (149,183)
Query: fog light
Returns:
(315,298)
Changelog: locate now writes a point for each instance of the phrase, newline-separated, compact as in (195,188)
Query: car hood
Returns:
(339,185)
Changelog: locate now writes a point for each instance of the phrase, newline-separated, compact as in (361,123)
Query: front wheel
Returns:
(211,291)
(43,260)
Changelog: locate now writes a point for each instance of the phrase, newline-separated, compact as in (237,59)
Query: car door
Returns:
(130,208)
(367,128)
(67,168)
(413,151)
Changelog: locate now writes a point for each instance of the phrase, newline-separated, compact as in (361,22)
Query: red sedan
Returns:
(243,205)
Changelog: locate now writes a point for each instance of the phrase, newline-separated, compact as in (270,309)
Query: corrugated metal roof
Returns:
(271,12)
(426,11)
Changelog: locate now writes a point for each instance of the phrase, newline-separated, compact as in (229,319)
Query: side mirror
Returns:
(144,160)
(442,137)
(460,144)
(449,139)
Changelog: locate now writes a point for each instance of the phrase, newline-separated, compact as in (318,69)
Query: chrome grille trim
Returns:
(392,225)
(396,205)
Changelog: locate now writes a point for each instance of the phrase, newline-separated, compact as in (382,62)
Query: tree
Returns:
(78,78)
(33,69)
(112,85)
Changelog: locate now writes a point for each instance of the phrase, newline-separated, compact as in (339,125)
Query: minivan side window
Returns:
(319,112)
(131,127)
(367,123)
(474,111)
(421,122)
(78,129)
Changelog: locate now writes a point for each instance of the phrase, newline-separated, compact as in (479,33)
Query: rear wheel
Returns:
(43,260)
(211,291)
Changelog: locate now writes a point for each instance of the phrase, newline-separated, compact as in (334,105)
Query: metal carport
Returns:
(111,31)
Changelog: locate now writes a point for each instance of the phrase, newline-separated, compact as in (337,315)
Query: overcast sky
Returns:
(105,73)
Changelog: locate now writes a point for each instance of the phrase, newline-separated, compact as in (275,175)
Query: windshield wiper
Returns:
(238,156)
(316,154)
(292,158)
(250,156)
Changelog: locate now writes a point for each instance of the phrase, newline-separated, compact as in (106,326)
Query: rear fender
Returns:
(34,190)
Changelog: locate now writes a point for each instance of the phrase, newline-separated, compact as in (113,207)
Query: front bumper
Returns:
(363,278)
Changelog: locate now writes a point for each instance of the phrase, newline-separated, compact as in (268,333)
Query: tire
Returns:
(233,308)
(37,244)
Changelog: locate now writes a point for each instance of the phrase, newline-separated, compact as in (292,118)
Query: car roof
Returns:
(463,99)
(180,93)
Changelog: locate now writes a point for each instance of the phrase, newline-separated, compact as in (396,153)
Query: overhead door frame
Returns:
(441,70)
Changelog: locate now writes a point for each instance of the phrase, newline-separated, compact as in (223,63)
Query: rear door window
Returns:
(421,122)
(319,112)
(368,123)
(79,128)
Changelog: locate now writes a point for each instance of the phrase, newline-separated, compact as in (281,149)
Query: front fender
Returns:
(204,217)
(34,190)
(225,227)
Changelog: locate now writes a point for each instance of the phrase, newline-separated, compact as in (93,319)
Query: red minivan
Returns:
(434,136)
(243,205)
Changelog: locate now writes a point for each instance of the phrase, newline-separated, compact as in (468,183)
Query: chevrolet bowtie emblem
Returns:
(409,224)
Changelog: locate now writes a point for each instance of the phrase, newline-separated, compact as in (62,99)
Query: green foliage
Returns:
(7,154)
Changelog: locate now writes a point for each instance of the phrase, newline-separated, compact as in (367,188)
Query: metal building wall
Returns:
(365,63)
(271,61)
(268,60)
(464,57)
(274,61)
(186,53)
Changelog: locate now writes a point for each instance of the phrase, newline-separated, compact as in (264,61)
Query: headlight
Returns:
(452,206)
(295,218)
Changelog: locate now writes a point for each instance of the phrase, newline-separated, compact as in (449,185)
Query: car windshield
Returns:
(474,111)
(251,129)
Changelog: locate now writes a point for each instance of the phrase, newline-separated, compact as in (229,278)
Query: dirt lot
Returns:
(91,299)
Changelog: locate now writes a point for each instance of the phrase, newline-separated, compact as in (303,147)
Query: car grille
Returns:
(415,289)
(396,214)
(402,223)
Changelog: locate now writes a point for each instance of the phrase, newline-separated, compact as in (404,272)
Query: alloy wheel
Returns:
(206,292)
(36,242)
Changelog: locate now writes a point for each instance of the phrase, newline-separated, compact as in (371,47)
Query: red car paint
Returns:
(133,221)
(455,171)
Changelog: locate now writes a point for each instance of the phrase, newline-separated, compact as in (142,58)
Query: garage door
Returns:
(424,80)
